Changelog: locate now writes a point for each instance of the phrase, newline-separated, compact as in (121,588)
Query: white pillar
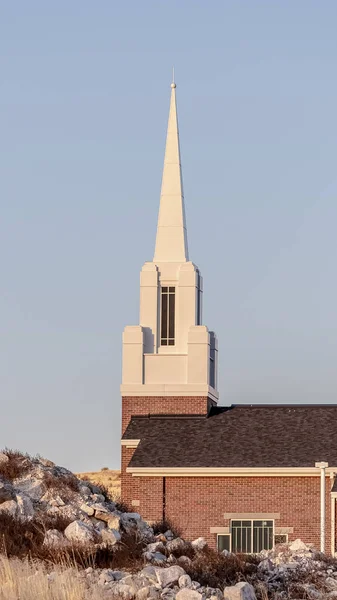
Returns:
(322,466)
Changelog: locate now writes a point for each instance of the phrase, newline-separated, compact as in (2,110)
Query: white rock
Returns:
(10,507)
(25,508)
(110,536)
(240,591)
(184,581)
(199,543)
(85,491)
(54,539)
(155,547)
(298,546)
(186,594)
(122,591)
(114,521)
(46,463)
(80,532)
(6,491)
(176,544)
(56,501)
(170,575)
(88,510)
(32,487)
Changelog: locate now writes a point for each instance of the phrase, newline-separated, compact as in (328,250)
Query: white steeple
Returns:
(170,352)
(171,240)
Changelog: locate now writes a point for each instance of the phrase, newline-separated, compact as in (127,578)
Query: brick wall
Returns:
(163,405)
(144,405)
(194,504)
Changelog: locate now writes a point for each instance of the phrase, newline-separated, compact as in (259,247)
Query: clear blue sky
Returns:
(84,101)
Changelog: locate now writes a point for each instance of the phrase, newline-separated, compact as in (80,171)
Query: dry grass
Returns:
(29,581)
(17,465)
(106,478)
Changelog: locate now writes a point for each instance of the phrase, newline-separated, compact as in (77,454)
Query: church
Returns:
(245,477)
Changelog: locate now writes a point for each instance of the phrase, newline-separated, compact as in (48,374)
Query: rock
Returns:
(199,543)
(106,576)
(113,521)
(331,583)
(155,547)
(177,544)
(184,560)
(32,487)
(57,501)
(10,507)
(184,581)
(110,536)
(240,591)
(6,491)
(149,573)
(186,594)
(158,557)
(46,463)
(99,525)
(54,539)
(3,458)
(143,593)
(98,498)
(169,534)
(80,532)
(25,508)
(88,510)
(168,594)
(298,546)
(85,491)
(118,575)
(170,575)
(123,591)
(195,585)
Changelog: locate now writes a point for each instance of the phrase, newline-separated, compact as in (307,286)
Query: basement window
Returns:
(281,538)
(167,336)
(251,537)
(224,542)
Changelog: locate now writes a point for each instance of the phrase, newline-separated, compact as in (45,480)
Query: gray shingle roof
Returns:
(238,436)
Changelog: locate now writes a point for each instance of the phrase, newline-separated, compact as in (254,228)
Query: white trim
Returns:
(225,471)
(219,530)
(333,519)
(130,443)
(252,516)
(172,389)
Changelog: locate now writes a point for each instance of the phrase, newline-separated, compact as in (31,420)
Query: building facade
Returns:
(244,477)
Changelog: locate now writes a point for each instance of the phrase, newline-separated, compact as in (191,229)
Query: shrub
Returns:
(164,526)
(210,568)
(17,465)
(65,485)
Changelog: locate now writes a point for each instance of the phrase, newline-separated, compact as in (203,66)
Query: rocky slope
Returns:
(35,494)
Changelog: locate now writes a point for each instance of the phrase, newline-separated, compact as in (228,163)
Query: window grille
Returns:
(167,337)
(251,537)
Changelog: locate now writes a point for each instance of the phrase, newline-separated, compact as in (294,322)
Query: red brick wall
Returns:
(144,405)
(194,504)
(163,405)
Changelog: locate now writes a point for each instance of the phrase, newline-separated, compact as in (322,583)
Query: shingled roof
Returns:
(238,436)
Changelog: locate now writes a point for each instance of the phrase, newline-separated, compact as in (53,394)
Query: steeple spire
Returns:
(171,240)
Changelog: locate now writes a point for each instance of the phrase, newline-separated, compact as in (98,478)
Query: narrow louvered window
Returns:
(167,337)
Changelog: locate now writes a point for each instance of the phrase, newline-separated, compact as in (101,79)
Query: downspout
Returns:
(333,517)
(322,466)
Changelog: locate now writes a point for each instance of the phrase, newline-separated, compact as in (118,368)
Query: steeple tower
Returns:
(171,241)
(170,353)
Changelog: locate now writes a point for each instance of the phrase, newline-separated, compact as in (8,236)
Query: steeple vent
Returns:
(171,240)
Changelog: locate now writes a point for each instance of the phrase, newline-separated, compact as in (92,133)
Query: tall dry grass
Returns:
(26,580)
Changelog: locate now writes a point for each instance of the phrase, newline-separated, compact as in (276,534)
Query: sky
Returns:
(84,99)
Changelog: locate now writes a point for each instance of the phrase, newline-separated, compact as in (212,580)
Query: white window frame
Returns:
(252,521)
(230,540)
